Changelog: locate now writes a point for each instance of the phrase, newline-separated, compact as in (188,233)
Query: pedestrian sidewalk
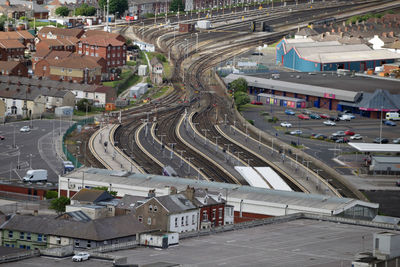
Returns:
(101,145)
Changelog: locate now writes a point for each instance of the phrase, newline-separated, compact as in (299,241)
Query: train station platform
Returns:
(102,146)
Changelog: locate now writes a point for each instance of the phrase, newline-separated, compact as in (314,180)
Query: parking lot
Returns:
(325,150)
(34,149)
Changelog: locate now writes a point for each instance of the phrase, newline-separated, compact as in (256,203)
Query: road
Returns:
(33,150)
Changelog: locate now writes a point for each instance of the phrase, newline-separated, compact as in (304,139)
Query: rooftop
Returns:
(371,147)
(334,80)
(146,181)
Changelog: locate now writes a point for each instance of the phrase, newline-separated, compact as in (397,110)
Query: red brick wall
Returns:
(39,72)
(23,71)
(209,210)
(389,68)
(64,193)
(97,80)
(246,216)
(13,53)
(23,190)
(115,56)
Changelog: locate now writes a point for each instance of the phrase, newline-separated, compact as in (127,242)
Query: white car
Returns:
(286,124)
(330,123)
(81,256)
(356,137)
(25,129)
(296,132)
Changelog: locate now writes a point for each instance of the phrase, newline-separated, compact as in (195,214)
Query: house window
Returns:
(89,244)
(148,221)
(155,208)
(150,207)
(28,247)
(44,238)
(108,63)
(87,53)
(58,240)
(205,217)
(28,236)
(108,56)
(70,70)
(80,44)
(62,70)
(97,54)
(79,52)
(220,213)
(77,243)
(86,94)
(182,221)
(39,238)
(193,219)
(140,218)
(10,234)
(187,220)
(213,214)
(92,54)
(113,55)
(21,235)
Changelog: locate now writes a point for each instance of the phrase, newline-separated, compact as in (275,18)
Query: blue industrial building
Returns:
(307,55)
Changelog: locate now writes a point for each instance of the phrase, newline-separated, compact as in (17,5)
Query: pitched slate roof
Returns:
(92,195)
(97,230)
(176,203)
(103,34)
(95,40)
(16,35)
(76,62)
(129,202)
(378,99)
(77,215)
(8,65)
(60,32)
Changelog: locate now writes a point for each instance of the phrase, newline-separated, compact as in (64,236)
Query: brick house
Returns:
(41,61)
(59,33)
(103,34)
(24,37)
(78,69)
(13,68)
(62,44)
(112,50)
(211,205)
(11,50)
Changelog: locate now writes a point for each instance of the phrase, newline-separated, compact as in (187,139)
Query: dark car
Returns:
(398,182)
(334,138)
(315,116)
(2,137)
(389,123)
(342,140)
(381,140)
(334,118)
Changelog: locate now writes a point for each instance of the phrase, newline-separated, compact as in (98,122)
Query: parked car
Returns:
(303,117)
(381,140)
(339,133)
(356,137)
(345,117)
(324,116)
(398,182)
(330,123)
(2,137)
(306,112)
(286,124)
(81,256)
(25,129)
(348,132)
(315,116)
(389,123)
(296,132)
(334,137)
(256,102)
(342,140)
(289,112)
(334,118)
(396,141)
(320,136)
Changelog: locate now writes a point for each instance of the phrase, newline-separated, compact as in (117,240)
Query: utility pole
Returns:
(205,135)
(216,142)
(172,149)
(108,10)
(194,127)
(189,159)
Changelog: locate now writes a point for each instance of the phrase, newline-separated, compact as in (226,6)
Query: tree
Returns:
(176,5)
(239,85)
(241,98)
(119,6)
(51,194)
(82,105)
(58,204)
(85,10)
(62,11)
(105,188)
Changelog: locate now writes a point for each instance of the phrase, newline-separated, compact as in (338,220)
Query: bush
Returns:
(51,194)
(273,119)
(82,105)
(264,113)
(251,122)
(161,57)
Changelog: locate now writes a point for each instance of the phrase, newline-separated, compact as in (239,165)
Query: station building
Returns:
(249,202)
(309,55)
(358,93)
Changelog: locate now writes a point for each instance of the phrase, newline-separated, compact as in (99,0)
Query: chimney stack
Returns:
(391,34)
(152,193)
(173,190)
(189,193)
(384,34)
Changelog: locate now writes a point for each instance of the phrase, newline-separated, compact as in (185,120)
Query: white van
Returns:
(35,176)
(394,116)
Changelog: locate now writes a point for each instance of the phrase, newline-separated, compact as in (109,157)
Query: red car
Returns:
(324,116)
(256,102)
(303,117)
(348,132)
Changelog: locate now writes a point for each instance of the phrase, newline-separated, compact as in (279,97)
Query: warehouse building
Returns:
(309,55)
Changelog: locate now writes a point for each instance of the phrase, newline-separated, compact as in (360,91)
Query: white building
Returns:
(145,46)
(142,71)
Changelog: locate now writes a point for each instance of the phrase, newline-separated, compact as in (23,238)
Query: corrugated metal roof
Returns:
(273,178)
(278,197)
(252,177)
(371,147)
(295,87)
(395,160)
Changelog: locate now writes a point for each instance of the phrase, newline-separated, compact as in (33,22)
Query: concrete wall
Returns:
(187,224)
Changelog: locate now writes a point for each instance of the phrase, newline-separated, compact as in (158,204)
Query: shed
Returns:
(159,239)
(138,90)
(186,27)
(142,71)
(389,164)
(64,111)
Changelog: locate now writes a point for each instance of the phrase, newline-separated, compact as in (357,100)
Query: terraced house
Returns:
(36,232)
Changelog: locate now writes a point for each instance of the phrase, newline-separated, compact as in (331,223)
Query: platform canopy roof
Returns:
(371,147)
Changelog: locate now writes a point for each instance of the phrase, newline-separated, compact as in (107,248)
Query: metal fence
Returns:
(69,156)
